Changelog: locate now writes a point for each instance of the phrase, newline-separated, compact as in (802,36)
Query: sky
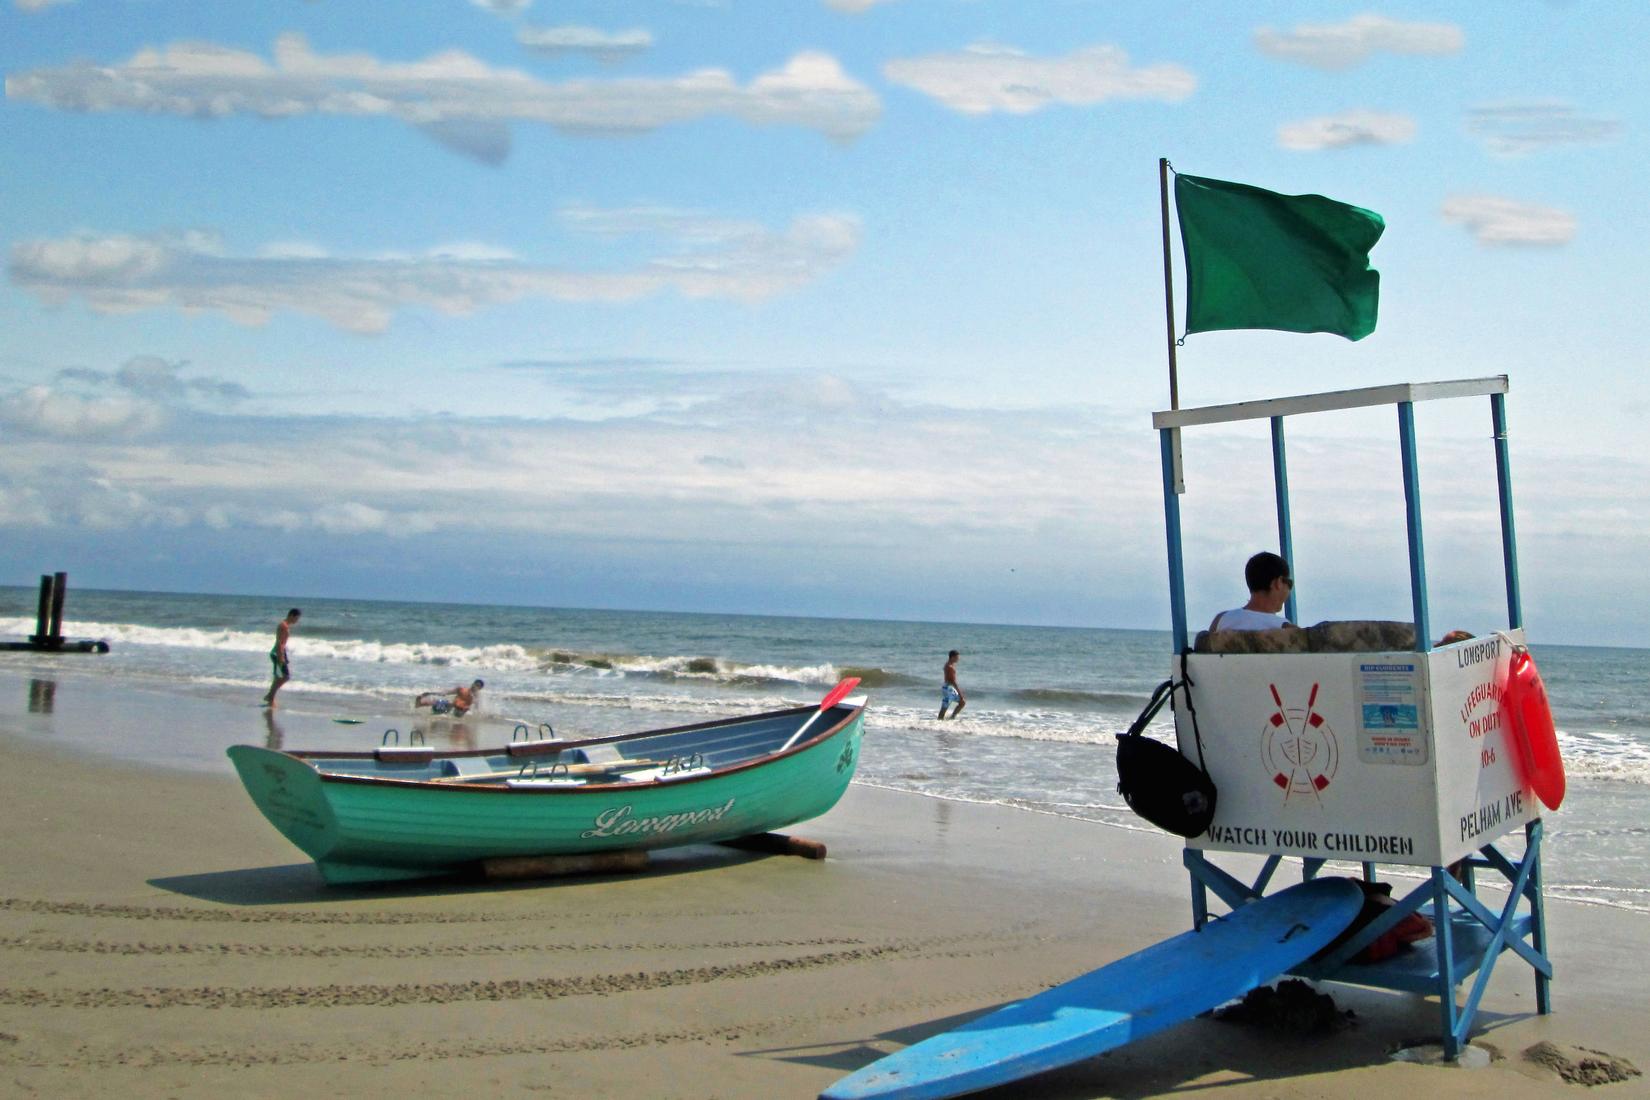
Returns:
(820,307)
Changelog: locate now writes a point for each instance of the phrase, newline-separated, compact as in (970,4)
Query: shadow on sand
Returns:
(291,883)
(1172,1060)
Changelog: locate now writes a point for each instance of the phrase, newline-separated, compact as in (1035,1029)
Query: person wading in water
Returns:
(949,691)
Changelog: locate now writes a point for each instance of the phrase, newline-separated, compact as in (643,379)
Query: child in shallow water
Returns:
(459,701)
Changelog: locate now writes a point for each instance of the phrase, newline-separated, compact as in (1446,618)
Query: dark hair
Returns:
(293,613)
(478,684)
(1262,569)
(953,655)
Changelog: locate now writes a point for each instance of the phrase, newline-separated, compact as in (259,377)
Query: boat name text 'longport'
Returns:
(617,821)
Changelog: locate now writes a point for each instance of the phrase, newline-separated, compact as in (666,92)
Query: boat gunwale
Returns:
(307,756)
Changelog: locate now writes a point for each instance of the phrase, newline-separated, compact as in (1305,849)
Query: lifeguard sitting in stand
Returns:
(1270,583)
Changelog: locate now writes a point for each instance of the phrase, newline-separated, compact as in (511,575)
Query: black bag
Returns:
(1156,781)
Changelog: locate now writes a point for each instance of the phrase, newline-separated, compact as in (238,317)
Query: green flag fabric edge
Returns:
(1259,259)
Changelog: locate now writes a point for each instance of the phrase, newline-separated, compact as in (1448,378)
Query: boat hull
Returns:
(362,828)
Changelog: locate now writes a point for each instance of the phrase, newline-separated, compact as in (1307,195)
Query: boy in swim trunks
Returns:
(457,702)
(950,693)
(277,656)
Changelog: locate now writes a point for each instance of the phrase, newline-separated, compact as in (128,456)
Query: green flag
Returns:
(1258,259)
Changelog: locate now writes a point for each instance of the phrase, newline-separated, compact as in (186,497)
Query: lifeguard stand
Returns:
(1371,755)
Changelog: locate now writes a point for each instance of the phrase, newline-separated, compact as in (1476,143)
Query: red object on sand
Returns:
(1524,702)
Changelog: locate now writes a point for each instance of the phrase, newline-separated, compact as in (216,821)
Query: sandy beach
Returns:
(159,938)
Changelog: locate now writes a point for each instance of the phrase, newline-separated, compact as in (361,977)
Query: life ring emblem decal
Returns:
(1298,747)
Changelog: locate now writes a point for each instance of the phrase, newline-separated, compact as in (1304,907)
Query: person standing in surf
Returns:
(950,693)
(277,656)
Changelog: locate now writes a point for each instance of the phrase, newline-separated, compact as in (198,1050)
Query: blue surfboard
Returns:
(1122,1001)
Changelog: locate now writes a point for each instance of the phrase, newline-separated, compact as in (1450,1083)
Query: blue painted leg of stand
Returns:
(1286,538)
(1264,879)
(1518,875)
(1538,915)
(1503,481)
(1200,903)
(1171,530)
(1498,941)
(1444,941)
(1412,512)
(1207,875)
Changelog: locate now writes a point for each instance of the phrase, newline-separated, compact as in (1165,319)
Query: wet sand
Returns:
(159,938)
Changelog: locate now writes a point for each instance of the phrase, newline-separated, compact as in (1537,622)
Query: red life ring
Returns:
(1524,702)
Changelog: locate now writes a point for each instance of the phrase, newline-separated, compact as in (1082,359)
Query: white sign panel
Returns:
(1386,757)
(1481,795)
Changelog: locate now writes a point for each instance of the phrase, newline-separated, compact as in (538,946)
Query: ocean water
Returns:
(1045,704)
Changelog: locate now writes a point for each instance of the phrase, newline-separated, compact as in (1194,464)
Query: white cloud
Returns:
(865,484)
(126,274)
(40,410)
(1350,128)
(672,222)
(137,400)
(1339,46)
(486,140)
(734,465)
(453,96)
(606,46)
(39,5)
(476,251)
(293,250)
(24,507)
(853,7)
(97,260)
(987,78)
(503,7)
(1499,221)
(1514,129)
(350,517)
(154,377)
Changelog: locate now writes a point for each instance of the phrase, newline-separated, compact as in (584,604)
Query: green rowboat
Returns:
(409,812)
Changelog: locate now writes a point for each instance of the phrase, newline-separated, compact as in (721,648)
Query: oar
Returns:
(832,698)
(609,767)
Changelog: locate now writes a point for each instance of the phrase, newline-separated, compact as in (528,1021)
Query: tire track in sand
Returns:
(387,951)
(382,1052)
(426,993)
(405,993)
(311,916)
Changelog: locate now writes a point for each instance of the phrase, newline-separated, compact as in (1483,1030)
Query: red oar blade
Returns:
(839,693)
(832,698)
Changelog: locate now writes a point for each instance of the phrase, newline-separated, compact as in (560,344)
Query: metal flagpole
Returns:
(1168,278)
(1178,478)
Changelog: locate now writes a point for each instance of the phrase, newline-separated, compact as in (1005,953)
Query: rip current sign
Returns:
(1389,713)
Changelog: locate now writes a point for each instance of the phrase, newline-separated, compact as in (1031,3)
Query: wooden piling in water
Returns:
(60,589)
(48,622)
(42,618)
